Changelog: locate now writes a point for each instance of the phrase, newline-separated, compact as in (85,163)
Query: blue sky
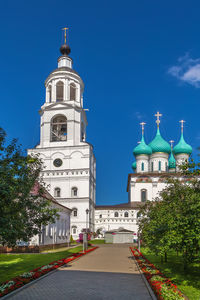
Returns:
(135,57)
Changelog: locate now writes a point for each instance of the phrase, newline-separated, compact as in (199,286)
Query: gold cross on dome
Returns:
(66,30)
(158,115)
(142,124)
(171,142)
(182,124)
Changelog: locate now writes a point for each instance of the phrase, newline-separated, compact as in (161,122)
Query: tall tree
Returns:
(172,221)
(22,210)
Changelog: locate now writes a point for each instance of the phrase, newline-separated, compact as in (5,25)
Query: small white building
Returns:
(119,236)
(57,233)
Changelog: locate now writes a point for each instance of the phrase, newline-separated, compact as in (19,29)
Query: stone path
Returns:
(107,273)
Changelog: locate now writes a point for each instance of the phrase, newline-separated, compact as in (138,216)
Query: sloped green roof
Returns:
(142,148)
(134,166)
(172,162)
(159,144)
(182,147)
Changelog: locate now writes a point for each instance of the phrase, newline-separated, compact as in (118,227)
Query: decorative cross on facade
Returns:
(143,124)
(158,115)
(171,142)
(182,122)
(66,30)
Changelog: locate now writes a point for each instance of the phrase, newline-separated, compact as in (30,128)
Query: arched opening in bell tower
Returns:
(72,91)
(59,129)
(59,91)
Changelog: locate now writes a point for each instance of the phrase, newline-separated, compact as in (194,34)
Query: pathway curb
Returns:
(144,279)
(37,279)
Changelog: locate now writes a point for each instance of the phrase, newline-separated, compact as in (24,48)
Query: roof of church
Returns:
(172,161)
(142,148)
(159,144)
(134,165)
(182,147)
(45,194)
(129,205)
(65,69)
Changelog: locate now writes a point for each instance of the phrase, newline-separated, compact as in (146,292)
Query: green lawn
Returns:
(188,283)
(12,265)
(96,242)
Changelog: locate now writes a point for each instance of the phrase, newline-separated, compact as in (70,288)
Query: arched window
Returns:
(49,93)
(116,214)
(57,192)
(59,91)
(152,166)
(74,192)
(100,216)
(126,214)
(166,167)
(143,195)
(75,212)
(74,230)
(142,166)
(159,165)
(59,129)
(72,91)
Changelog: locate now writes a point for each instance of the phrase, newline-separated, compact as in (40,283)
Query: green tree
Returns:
(22,212)
(172,221)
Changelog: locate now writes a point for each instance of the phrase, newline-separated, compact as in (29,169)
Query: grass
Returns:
(188,283)
(12,265)
(96,242)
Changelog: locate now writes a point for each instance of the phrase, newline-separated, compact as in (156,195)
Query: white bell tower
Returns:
(69,161)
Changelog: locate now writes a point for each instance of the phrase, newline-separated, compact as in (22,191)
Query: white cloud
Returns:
(138,115)
(187,70)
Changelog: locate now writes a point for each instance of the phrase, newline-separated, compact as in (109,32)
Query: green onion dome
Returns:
(172,162)
(142,148)
(159,144)
(182,147)
(134,166)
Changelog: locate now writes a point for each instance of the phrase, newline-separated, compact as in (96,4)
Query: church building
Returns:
(154,163)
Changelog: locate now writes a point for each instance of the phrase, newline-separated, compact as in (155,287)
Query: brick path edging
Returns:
(144,279)
(17,290)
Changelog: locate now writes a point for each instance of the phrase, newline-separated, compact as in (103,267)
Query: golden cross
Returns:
(182,122)
(171,142)
(142,124)
(65,34)
(158,115)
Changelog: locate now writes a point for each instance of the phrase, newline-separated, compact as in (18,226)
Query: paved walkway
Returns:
(107,273)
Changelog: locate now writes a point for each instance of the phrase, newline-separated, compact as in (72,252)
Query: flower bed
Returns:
(162,286)
(26,277)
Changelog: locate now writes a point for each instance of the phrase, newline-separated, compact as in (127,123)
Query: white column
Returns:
(53,91)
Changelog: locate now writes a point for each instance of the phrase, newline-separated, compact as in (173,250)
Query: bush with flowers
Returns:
(26,277)
(162,286)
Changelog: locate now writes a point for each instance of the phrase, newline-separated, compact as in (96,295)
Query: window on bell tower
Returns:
(159,165)
(59,91)
(59,129)
(72,91)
